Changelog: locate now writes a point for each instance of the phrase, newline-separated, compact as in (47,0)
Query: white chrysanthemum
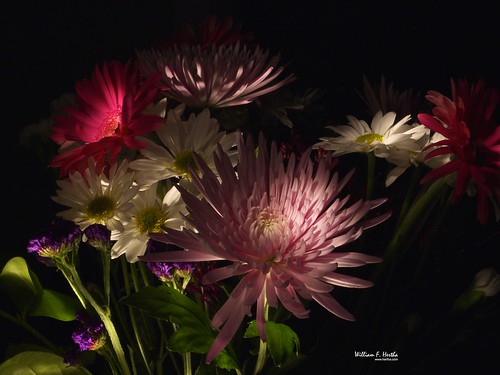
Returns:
(180,139)
(98,198)
(149,215)
(379,137)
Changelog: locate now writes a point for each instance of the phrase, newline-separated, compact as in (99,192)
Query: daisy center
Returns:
(100,209)
(370,138)
(150,220)
(110,124)
(184,160)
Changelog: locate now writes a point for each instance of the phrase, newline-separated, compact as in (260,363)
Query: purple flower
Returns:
(59,238)
(98,236)
(91,335)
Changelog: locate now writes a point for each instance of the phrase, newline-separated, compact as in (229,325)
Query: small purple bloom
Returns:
(59,238)
(91,335)
(98,236)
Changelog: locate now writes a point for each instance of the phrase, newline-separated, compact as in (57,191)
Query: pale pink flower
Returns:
(215,76)
(279,227)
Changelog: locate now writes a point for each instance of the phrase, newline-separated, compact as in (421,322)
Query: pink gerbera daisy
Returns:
(278,227)
(108,116)
(472,139)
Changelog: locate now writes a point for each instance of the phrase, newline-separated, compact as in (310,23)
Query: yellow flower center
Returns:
(110,124)
(150,220)
(370,138)
(100,209)
(183,161)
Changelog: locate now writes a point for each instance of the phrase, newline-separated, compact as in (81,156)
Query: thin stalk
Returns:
(128,292)
(106,270)
(423,204)
(33,331)
(261,357)
(370,178)
(186,357)
(74,279)
(410,192)
(67,275)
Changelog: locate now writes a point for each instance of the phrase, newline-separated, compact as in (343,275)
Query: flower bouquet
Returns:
(201,225)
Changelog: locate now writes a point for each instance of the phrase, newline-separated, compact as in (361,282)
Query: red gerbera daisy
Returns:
(108,116)
(472,138)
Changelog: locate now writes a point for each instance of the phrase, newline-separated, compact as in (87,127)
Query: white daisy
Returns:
(403,158)
(379,137)
(149,215)
(98,198)
(180,139)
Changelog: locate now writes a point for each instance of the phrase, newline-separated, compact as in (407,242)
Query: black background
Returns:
(48,45)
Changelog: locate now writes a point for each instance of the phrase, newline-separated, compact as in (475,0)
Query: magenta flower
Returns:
(279,228)
(472,138)
(109,118)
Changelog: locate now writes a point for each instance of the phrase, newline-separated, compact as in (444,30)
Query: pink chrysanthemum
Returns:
(108,117)
(215,76)
(472,138)
(278,226)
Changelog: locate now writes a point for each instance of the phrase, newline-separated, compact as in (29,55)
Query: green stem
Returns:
(33,331)
(75,282)
(370,178)
(186,357)
(135,327)
(106,268)
(261,357)
(413,218)
(77,292)
(410,192)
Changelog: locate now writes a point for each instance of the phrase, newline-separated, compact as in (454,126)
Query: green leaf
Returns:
(282,342)
(194,332)
(190,340)
(21,285)
(168,304)
(57,305)
(226,361)
(38,363)
(251,330)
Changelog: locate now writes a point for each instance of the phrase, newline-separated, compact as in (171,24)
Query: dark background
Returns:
(48,45)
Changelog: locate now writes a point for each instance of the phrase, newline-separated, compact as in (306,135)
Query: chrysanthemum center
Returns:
(183,161)
(370,138)
(150,220)
(110,124)
(100,209)
(270,224)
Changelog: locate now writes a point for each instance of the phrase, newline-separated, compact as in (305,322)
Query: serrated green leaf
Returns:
(226,361)
(251,330)
(57,305)
(37,363)
(282,342)
(22,287)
